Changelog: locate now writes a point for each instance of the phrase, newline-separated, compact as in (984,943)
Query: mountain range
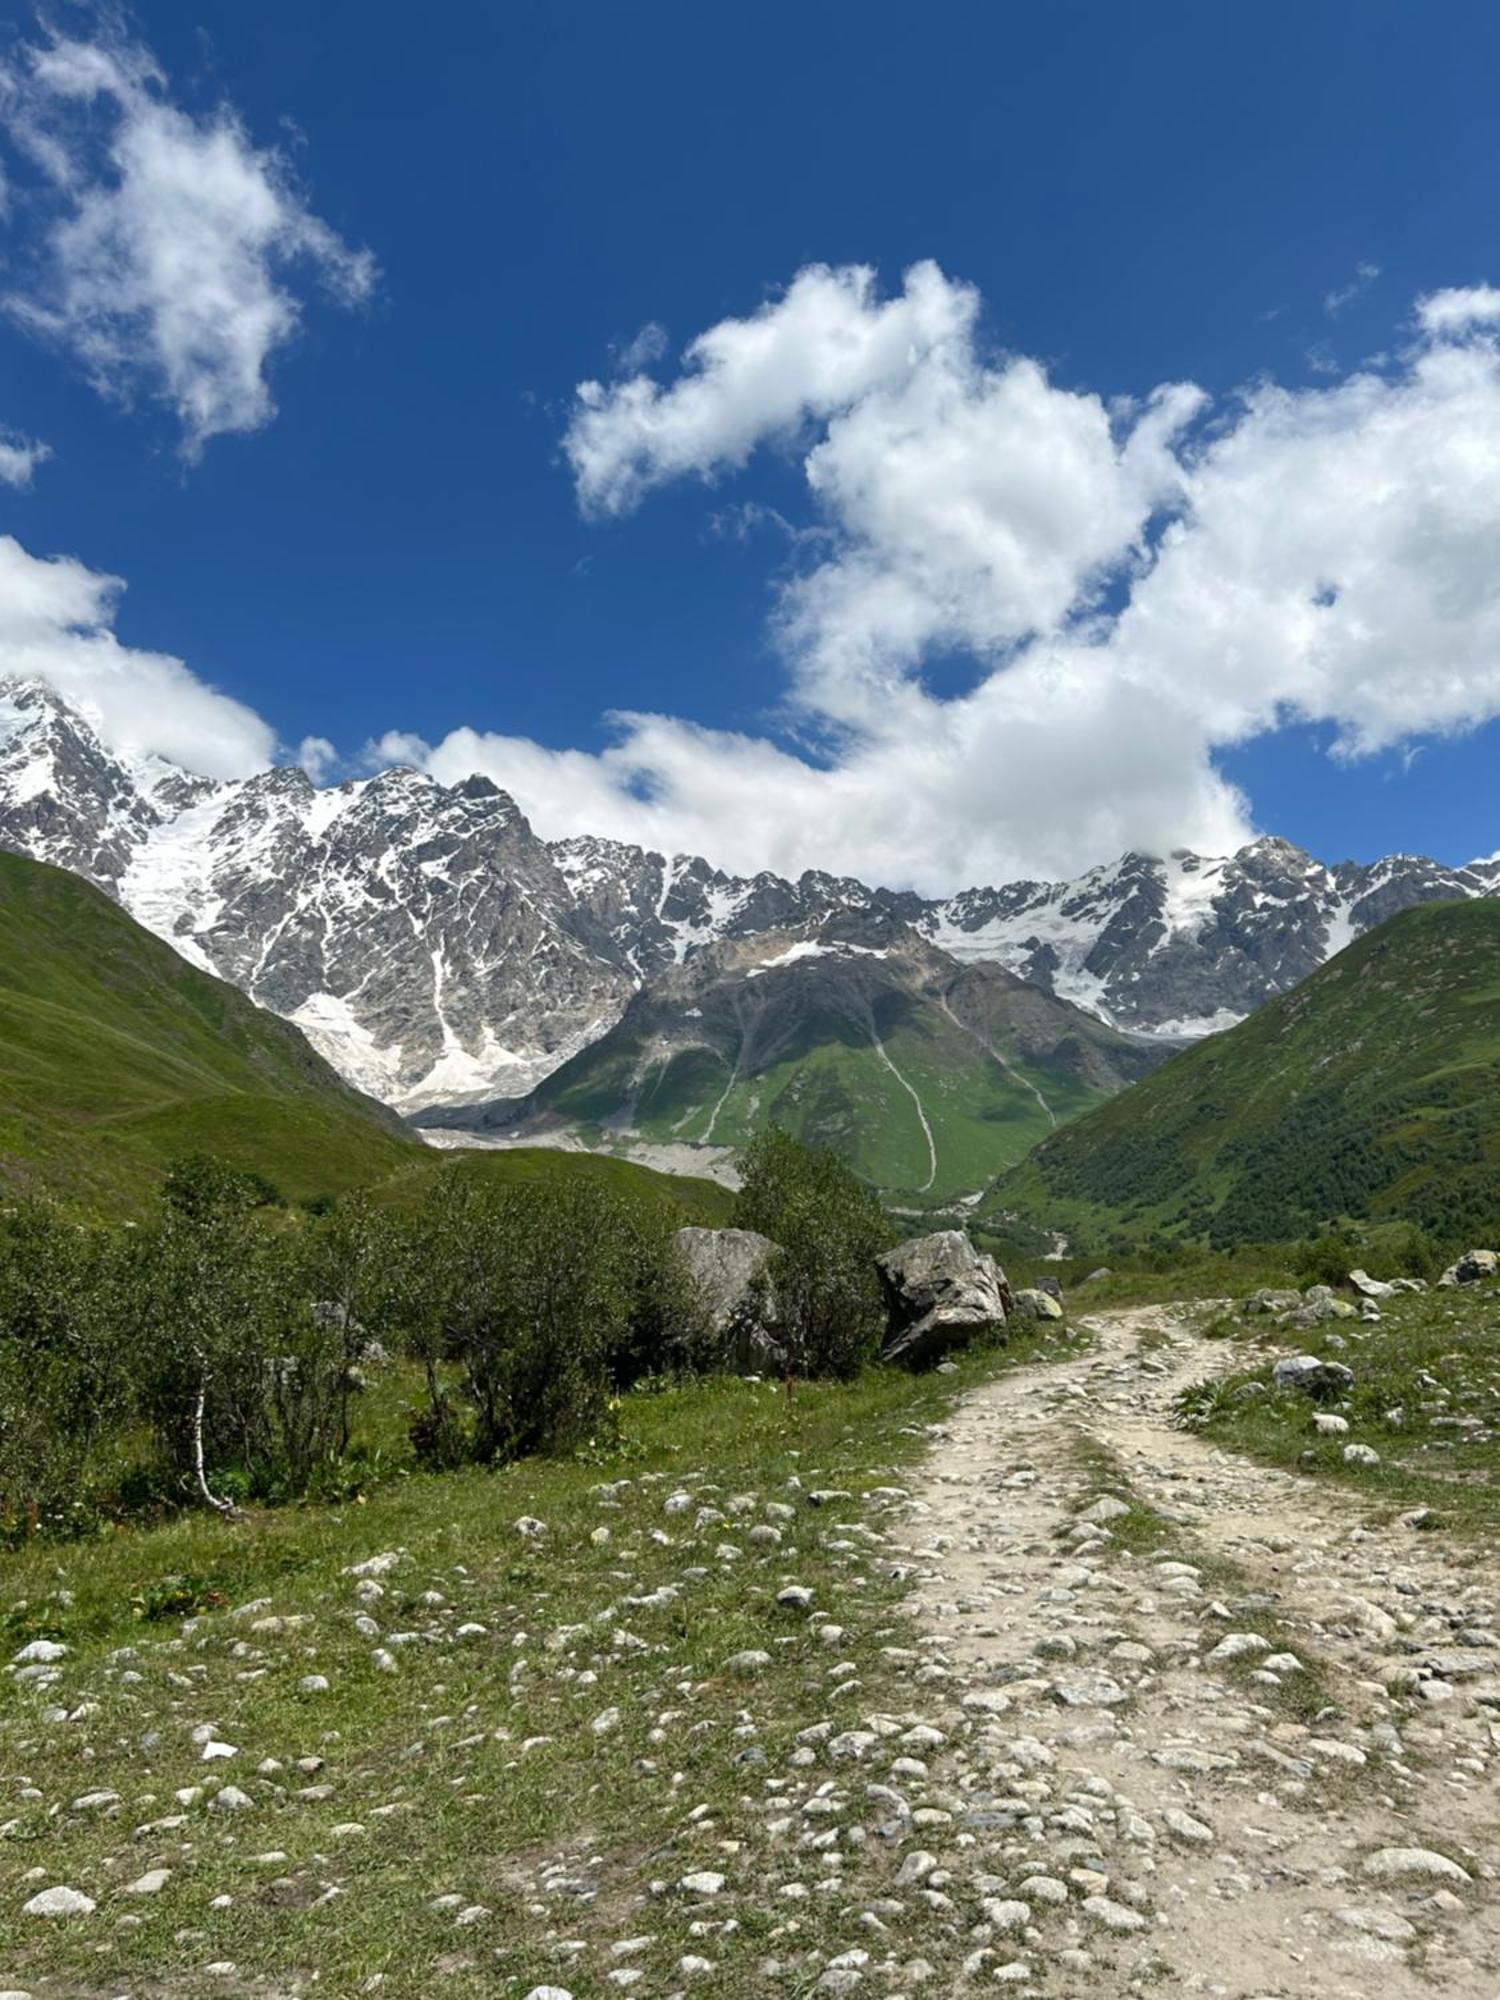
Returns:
(442,956)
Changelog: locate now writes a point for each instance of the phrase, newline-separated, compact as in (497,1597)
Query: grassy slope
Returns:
(827,1082)
(1371,1090)
(115,1054)
(1426,1399)
(474,1770)
(844,1095)
(700,1201)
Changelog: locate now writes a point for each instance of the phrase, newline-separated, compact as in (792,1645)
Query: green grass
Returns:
(116,1055)
(1371,1090)
(1426,1398)
(1188,1273)
(474,1770)
(692,1198)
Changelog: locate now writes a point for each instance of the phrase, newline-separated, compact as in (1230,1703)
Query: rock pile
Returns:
(940,1293)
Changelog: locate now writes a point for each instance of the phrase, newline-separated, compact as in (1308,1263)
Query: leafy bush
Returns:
(64,1378)
(176,1597)
(1325,1259)
(214,1355)
(544,1296)
(829,1228)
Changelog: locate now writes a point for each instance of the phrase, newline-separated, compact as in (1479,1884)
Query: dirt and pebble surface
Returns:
(1220,1729)
(1038,1692)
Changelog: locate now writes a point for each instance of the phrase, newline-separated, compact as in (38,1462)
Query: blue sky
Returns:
(1137,197)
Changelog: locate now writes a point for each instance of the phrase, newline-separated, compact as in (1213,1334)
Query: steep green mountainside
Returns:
(1372,1090)
(689,1197)
(926,1075)
(116,1055)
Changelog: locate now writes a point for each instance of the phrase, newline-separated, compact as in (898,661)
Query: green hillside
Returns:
(927,1077)
(116,1055)
(1372,1091)
(691,1198)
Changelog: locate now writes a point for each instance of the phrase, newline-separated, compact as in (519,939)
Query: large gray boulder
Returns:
(1271,1300)
(1319,1303)
(939,1292)
(1370,1288)
(729,1268)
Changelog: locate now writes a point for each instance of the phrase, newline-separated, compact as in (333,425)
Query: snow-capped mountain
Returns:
(438,952)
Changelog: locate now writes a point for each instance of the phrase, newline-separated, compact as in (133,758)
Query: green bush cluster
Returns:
(216,1354)
(213,1352)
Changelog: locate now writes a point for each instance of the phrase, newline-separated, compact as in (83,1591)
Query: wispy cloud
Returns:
(1335,301)
(20,457)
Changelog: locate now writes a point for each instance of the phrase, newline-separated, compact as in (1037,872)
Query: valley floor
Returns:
(1078,1703)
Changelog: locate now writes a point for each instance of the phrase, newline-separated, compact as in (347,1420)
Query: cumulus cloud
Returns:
(1459,308)
(166,239)
(57,625)
(1138,587)
(20,457)
(823,344)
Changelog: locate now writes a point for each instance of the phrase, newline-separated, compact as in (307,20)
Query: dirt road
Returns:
(1189,1773)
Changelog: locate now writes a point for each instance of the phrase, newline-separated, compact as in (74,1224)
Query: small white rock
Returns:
(150,1884)
(59,1902)
(702,1882)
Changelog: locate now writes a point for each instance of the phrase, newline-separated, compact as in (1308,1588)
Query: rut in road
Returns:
(1185,1772)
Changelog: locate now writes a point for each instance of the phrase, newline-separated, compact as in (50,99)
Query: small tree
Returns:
(519,1288)
(201,1286)
(668,1329)
(829,1228)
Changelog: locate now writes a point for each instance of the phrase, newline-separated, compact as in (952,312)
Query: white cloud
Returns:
(1458,309)
(823,344)
(649,345)
(317,757)
(56,625)
(166,237)
(20,457)
(1137,588)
